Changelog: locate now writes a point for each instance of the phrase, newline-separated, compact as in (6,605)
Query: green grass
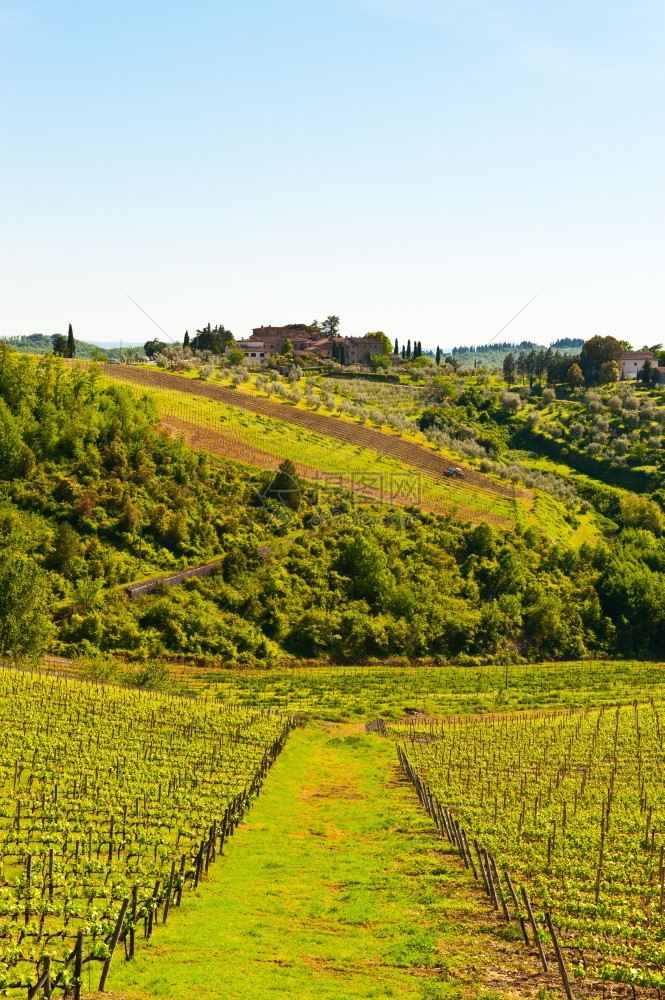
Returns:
(336,888)
(552,518)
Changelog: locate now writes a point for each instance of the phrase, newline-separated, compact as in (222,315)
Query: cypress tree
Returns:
(509,367)
(438,355)
(185,341)
(71,345)
(403,352)
(408,348)
(396,351)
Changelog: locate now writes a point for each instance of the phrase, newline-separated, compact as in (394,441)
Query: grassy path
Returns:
(335,888)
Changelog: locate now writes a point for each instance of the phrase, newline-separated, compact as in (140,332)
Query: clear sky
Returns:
(418,166)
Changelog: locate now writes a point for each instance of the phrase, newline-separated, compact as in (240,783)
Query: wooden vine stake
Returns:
(167,904)
(50,873)
(490,879)
(559,956)
(44,981)
(600,859)
(132,930)
(113,943)
(499,889)
(534,929)
(78,964)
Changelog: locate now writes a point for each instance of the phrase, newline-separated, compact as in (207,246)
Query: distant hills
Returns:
(39,343)
(492,355)
(489,355)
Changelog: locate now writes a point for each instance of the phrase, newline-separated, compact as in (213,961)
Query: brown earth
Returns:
(218,443)
(434,463)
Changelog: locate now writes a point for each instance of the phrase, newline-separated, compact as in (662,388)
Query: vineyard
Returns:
(351,692)
(567,807)
(364,473)
(425,459)
(114,803)
(375,463)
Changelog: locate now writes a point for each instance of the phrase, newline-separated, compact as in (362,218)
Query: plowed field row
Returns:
(431,462)
(231,447)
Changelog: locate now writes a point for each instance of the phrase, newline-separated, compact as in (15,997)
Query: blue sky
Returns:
(418,166)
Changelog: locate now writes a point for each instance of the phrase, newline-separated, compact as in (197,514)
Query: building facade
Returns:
(632,361)
(254,350)
(272,340)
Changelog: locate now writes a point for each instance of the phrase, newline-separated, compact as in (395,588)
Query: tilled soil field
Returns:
(230,447)
(433,463)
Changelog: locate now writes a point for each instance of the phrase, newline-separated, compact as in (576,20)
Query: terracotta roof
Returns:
(637,355)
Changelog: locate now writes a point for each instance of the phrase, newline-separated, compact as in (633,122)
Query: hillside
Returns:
(39,343)
(406,466)
(90,486)
(381,441)
(492,355)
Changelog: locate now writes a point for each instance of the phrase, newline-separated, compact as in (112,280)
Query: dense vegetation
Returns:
(492,355)
(40,343)
(89,486)
(91,495)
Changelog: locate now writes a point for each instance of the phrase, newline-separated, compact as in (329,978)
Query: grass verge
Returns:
(336,888)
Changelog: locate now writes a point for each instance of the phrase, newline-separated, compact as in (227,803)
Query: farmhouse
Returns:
(277,336)
(254,350)
(632,361)
(268,340)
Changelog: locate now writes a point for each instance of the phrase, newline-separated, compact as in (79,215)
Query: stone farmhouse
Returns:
(268,340)
(633,361)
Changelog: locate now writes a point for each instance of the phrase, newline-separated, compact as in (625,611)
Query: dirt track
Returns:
(221,444)
(431,462)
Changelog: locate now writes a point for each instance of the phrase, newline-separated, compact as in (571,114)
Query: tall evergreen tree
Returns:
(520,365)
(185,339)
(403,352)
(645,374)
(509,368)
(396,346)
(408,348)
(438,355)
(71,345)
